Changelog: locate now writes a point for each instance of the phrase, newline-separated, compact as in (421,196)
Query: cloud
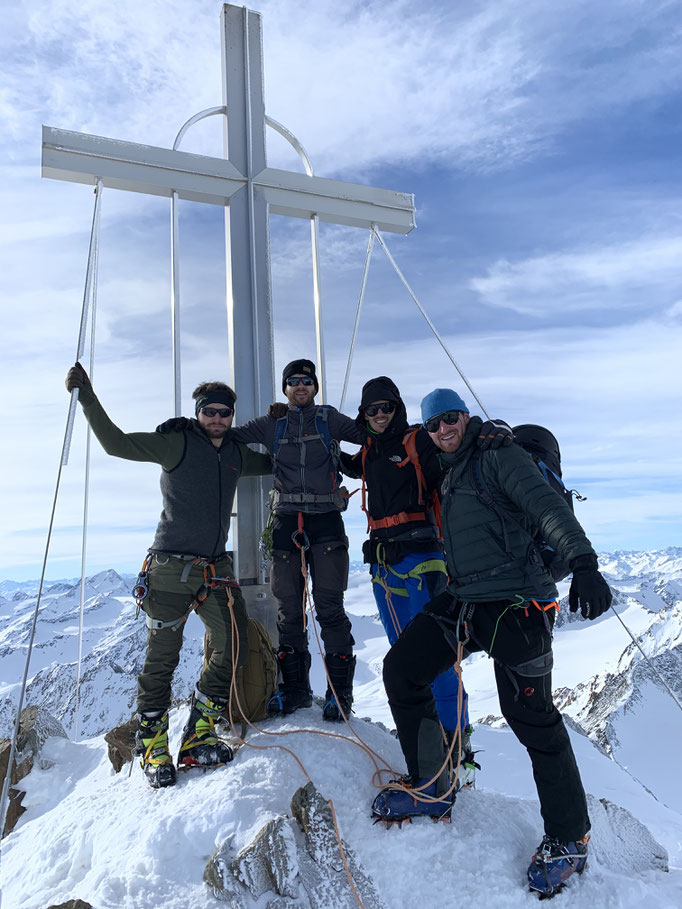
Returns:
(609,276)
(360,83)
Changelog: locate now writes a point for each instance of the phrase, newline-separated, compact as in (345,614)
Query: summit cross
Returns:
(248,189)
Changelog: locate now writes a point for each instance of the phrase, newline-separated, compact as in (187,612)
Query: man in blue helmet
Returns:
(500,599)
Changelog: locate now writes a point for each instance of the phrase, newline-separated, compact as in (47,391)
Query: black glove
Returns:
(77,377)
(277,410)
(175,424)
(589,590)
(494,434)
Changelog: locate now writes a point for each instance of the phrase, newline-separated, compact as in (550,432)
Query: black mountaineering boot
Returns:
(151,743)
(341,669)
(201,747)
(294,687)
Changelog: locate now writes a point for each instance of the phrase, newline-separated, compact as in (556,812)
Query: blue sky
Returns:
(541,141)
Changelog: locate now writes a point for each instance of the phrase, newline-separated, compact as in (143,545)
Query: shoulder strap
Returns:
(280,429)
(363,504)
(410,446)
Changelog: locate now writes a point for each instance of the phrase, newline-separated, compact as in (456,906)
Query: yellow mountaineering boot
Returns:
(151,743)
(201,747)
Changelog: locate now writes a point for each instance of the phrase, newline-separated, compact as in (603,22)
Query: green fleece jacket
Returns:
(490,554)
(198,480)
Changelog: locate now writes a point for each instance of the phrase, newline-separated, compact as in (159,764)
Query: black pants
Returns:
(327,561)
(513,639)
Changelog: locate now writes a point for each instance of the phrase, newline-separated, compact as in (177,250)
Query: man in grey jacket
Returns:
(186,568)
(307,503)
(500,599)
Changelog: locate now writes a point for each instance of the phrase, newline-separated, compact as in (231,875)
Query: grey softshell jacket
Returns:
(198,480)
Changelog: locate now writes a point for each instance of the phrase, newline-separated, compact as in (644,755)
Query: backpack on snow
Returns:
(257,681)
(543,447)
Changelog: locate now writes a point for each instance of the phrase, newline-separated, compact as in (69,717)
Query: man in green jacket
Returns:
(500,599)
(186,568)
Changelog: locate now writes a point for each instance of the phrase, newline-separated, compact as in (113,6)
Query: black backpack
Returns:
(543,447)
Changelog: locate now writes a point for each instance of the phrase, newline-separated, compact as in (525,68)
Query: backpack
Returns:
(257,680)
(543,447)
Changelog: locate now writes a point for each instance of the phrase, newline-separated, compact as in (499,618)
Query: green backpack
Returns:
(256,681)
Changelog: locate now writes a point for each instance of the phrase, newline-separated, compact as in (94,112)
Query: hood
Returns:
(383,389)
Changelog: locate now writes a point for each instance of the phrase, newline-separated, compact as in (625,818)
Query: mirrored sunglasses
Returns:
(222,412)
(450,417)
(384,406)
(304,380)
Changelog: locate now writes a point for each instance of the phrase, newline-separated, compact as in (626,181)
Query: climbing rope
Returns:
(90,280)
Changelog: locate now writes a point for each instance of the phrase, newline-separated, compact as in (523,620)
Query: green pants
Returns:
(168,599)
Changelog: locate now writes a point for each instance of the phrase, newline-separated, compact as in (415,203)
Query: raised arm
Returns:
(166,450)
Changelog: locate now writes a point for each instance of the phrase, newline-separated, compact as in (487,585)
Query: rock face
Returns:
(36,725)
(121,742)
(293,861)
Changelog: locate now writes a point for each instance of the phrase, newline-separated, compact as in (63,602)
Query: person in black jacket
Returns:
(401,470)
(500,599)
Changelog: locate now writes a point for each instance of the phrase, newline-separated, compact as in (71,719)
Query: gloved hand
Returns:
(174,424)
(77,377)
(494,434)
(589,590)
(277,410)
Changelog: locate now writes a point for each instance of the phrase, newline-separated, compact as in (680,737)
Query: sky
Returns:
(541,142)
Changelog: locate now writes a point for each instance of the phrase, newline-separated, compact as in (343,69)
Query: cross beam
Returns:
(148,169)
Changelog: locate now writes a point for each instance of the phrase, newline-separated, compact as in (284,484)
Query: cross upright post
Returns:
(249,190)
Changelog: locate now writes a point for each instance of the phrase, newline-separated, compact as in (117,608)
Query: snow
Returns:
(110,840)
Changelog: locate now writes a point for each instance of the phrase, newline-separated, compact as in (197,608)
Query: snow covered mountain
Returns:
(602,682)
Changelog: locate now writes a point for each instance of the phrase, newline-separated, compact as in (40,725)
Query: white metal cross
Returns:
(248,188)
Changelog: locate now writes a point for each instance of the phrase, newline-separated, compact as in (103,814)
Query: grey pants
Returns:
(168,599)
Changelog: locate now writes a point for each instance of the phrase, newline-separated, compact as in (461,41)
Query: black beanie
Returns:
(299,367)
(379,389)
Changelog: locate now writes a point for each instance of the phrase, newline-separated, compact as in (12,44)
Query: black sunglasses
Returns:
(304,380)
(450,417)
(222,412)
(384,406)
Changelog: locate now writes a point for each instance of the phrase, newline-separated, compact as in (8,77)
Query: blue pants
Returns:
(409,592)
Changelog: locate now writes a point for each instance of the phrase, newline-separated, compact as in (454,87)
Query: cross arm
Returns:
(301,196)
(81,158)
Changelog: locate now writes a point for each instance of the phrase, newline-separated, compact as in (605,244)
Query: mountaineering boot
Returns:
(341,669)
(201,747)
(466,779)
(294,688)
(398,805)
(554,862)
(151,743)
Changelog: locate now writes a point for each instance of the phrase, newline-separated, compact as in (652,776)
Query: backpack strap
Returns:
(363,504)
(410,446)
(280,429)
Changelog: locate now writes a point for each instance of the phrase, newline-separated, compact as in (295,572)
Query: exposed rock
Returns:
(36,725)
(121,742)
(299,864)
(621,842)
(218,876)
(324,876)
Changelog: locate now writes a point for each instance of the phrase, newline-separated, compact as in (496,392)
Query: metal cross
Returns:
(249,189)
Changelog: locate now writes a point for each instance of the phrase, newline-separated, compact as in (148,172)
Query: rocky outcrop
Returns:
(121,743)
(36,725)
(293,861)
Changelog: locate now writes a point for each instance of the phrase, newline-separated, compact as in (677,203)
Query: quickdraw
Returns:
(141,588)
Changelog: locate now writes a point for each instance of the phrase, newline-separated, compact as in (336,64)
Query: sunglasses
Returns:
(305,380)
(384,406)
(450,417)
(222,412)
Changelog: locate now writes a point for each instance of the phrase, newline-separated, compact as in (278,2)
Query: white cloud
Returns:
(595,277)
